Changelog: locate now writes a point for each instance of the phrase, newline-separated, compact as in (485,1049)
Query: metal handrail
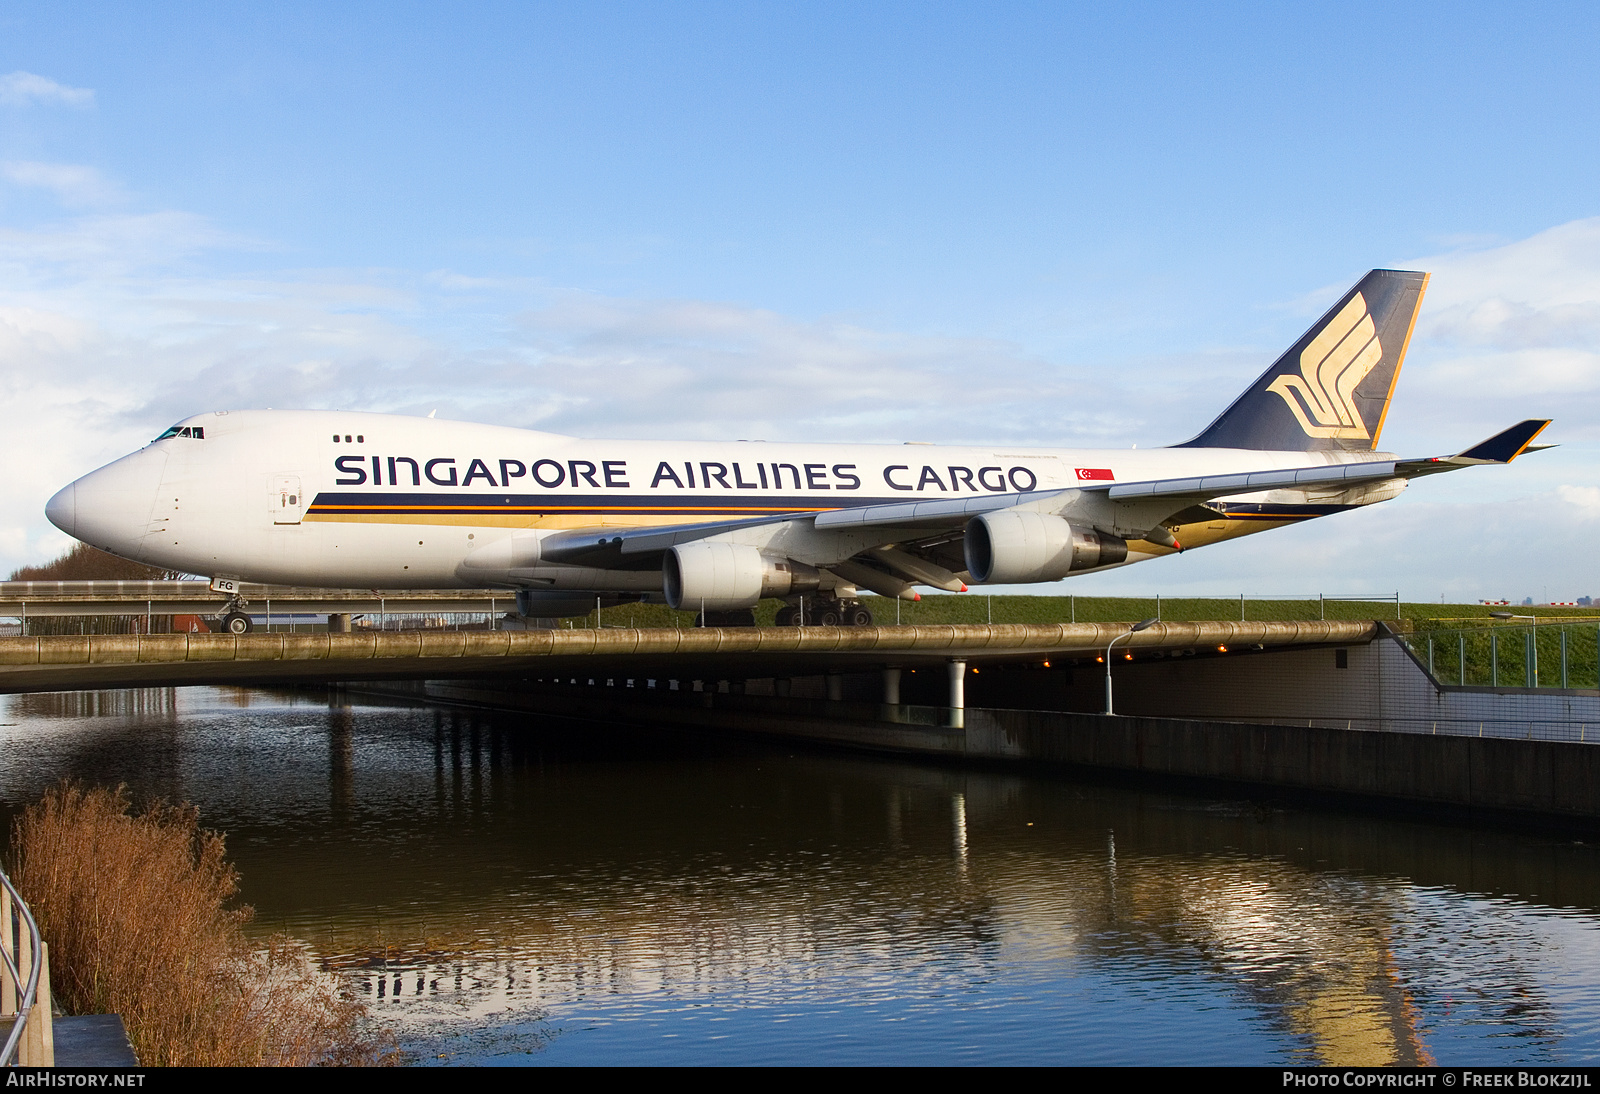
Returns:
(26,997)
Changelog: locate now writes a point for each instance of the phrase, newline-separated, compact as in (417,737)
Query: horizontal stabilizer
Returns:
(1507,444)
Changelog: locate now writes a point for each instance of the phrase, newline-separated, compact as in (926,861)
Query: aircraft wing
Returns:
(641,548)
(1501,448)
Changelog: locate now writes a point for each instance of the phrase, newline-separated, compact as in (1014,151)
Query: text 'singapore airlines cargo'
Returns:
(327,498)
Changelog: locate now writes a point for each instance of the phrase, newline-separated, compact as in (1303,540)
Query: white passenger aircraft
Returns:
(336,499)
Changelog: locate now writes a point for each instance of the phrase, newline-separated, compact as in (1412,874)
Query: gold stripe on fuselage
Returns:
(490,517)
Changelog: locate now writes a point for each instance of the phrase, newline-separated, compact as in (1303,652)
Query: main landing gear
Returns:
(825,613)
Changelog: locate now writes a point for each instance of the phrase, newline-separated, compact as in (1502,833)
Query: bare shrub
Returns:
(86,563)
(136,911)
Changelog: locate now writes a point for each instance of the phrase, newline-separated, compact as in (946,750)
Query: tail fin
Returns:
(1331,389)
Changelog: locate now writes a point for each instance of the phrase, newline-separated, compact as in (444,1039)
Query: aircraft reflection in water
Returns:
(486,886)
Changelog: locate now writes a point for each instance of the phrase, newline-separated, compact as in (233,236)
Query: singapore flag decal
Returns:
(1095,474)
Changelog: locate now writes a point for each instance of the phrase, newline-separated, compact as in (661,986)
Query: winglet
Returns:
(1507,444)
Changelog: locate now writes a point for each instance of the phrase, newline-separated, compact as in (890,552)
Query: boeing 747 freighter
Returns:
(352,500)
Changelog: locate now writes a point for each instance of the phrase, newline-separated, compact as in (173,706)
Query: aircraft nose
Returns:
(110,508)
(62,509)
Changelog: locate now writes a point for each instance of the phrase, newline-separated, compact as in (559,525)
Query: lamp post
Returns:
(1135,629)
(1530,659)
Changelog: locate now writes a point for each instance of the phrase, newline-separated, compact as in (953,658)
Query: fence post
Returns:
(8,990)
(1563,658)
(38,1048)
(1241,607)
(1530,671)
(1461,656)
(1494,660)
(1433,675)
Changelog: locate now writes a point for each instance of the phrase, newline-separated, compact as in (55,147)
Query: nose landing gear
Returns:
(232,617)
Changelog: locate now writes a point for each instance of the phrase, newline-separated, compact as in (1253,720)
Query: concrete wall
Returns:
(1546,778)
(1383,688)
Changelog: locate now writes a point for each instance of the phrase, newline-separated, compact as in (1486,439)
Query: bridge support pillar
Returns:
(339,623)
(958,694)
(891,686)
(835,686)
(781,686)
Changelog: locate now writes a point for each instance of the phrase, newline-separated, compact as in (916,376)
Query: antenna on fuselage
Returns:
(432,412)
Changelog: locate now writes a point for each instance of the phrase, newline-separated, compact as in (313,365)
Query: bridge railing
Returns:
(24,984)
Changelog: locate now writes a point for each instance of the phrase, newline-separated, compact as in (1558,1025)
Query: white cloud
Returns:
(1512,331)
(72,184)
(20,88)
(86,256)
(1585,500)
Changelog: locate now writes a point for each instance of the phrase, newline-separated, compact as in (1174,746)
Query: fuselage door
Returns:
(287,502)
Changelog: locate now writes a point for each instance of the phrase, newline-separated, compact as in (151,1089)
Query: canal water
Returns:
(513,890)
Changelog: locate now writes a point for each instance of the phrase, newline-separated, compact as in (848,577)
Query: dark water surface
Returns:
(508,890)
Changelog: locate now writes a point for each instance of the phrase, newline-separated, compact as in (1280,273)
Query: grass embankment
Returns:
(975,607)
(136,910)
(1487,651)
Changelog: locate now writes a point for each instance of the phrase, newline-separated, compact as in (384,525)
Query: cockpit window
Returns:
(197,432)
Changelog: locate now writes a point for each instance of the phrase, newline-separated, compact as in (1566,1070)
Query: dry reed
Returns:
(136,911)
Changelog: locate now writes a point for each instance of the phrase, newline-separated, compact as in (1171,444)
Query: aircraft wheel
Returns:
(859,616)
(829,617)
(237,623)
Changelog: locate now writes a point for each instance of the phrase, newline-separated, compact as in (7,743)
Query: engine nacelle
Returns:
(1017,546)
(720,577)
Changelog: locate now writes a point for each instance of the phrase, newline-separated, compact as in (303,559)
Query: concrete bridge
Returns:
(1315,706)
(68,662)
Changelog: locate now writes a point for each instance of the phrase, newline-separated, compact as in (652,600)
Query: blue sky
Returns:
(1044,224)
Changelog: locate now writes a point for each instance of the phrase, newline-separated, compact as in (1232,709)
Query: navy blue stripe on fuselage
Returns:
(386,504)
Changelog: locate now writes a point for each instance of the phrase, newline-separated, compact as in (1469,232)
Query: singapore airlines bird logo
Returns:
(1322,397)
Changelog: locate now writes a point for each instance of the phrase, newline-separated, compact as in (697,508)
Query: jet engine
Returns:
(724,576)
(1015,546)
